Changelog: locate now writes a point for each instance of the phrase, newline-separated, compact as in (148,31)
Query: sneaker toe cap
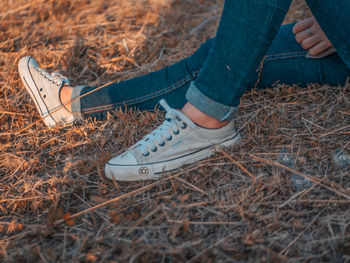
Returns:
(122,168)
(124,159)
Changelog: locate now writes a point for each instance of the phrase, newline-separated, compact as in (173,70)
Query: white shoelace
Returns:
(55,77)
(158,137)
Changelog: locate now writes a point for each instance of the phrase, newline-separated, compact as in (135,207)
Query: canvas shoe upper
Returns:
(176,142)
(44,89)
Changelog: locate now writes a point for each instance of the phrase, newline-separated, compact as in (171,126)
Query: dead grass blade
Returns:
(311,178)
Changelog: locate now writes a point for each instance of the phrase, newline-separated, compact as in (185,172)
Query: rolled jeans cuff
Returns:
(210,107)
(76,102)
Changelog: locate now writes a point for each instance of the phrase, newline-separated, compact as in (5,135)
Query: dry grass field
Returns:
(239,206)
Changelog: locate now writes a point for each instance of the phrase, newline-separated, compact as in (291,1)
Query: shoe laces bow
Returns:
(158,137)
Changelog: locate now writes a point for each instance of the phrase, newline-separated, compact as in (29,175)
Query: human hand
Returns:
(310,35)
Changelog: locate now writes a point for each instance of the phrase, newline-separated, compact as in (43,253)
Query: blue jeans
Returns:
(215,77)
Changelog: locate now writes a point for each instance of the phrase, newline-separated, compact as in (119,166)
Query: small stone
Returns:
(300,183)
(341,158)
(286,159)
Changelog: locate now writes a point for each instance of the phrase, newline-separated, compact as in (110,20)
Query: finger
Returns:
(302,25)
(319,48)
(315,28)
(300,37)
(311,42)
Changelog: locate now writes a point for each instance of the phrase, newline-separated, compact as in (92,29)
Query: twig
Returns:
(191,185)
(132,193)
(141,219)
(291,199)
(193,205)
(322,201)
(20,8)
(239,165)
(332,132)
(31,198)
(301,233)
(216,244)
(204,222)
(201,25)
(11,113)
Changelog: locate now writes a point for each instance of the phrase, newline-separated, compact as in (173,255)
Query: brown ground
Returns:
(239,206)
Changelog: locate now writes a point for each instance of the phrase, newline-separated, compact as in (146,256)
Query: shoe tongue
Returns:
(173,113)
(176,114)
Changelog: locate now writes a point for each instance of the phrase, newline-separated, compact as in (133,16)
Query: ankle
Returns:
(66,96)
(200,118)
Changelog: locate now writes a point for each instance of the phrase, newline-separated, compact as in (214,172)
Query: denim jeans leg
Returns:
(284,62)
(142,92)
(246,30)
(333,17)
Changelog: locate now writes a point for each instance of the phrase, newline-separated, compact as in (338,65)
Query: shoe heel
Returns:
(230,142)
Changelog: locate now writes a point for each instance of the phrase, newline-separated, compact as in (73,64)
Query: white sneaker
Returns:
(44,89)
(178,141)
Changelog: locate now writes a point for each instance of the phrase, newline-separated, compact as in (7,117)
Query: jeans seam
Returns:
(285,55)
(155,94)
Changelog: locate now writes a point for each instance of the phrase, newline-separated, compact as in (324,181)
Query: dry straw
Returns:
(239,206)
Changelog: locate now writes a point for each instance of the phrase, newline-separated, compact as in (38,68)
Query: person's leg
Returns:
(158,86)
(240,44)
(170,83)
(247,25)
(246,31)
(285,62)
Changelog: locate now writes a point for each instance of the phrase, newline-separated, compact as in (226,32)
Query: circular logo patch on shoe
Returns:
(143,171)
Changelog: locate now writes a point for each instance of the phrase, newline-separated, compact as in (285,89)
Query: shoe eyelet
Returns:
(41,89)
(162,144)
(170,138)
(154,149)
(184,126)
(44,96)
(146,154)
(176,132)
